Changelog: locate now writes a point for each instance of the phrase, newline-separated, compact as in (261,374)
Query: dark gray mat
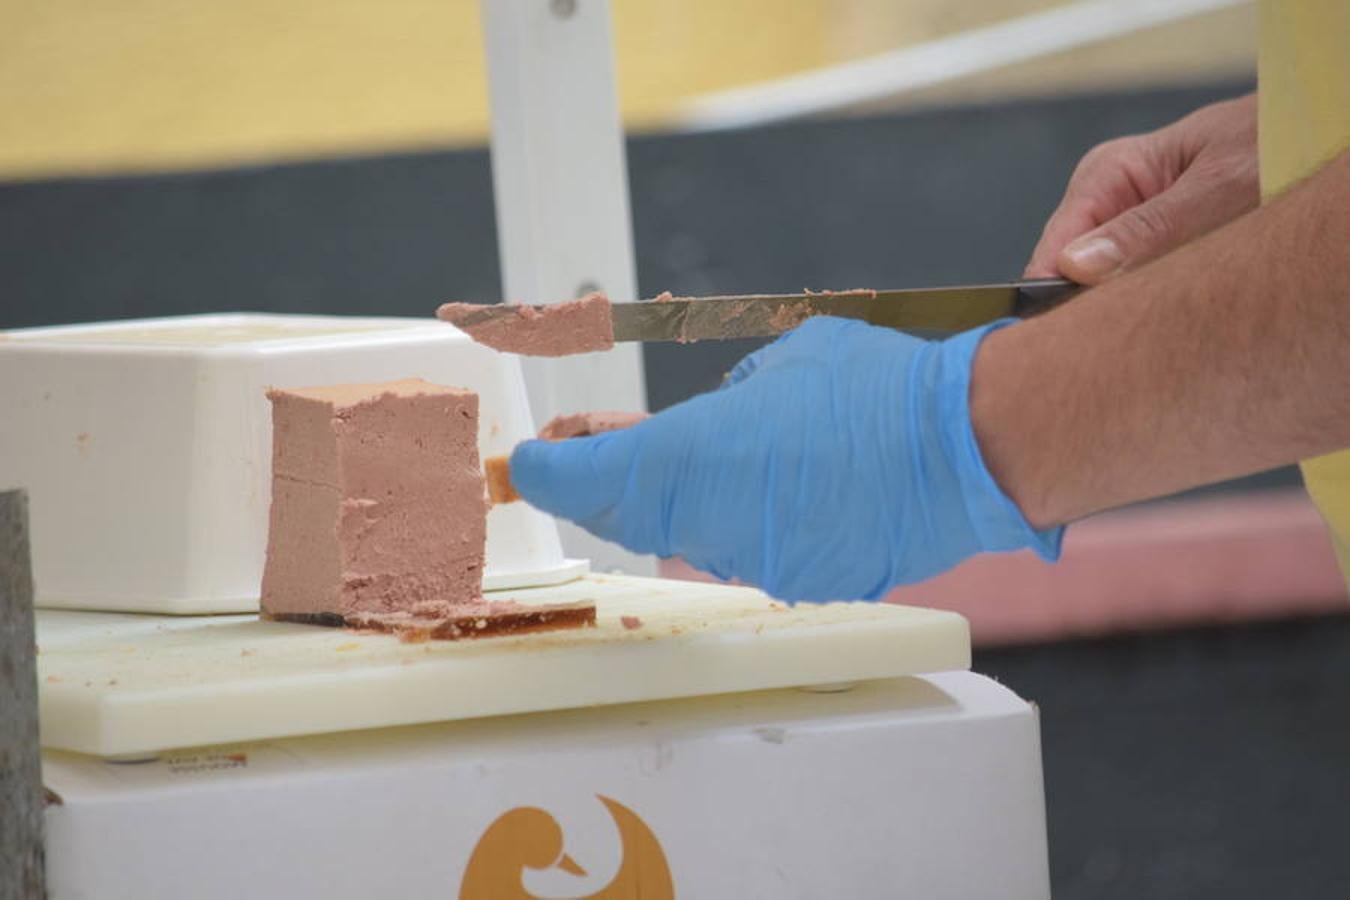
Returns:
(1212,763)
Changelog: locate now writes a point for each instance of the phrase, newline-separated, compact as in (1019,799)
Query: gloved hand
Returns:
(836,463)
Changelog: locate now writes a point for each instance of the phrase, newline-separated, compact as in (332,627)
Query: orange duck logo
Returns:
(530,838)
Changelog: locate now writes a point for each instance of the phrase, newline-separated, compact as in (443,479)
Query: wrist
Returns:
(999,429)
(1000,520)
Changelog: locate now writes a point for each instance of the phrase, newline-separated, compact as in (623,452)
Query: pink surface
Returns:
(584,325)
(1185,562)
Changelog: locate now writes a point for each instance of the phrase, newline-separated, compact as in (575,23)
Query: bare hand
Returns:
(1136,198)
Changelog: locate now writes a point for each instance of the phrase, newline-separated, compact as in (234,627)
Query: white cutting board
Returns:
(120,685)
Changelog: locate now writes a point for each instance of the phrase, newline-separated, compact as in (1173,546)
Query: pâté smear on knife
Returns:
(593,323)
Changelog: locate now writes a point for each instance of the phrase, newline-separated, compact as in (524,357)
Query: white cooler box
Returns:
(145,447)
(924,787)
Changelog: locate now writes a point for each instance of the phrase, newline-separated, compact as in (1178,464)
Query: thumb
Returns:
(579,478)
(1139,234)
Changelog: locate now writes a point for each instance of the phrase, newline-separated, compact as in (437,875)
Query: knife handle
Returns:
(1038,295)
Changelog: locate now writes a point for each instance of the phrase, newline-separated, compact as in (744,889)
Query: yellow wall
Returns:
(163,84)
(139,84)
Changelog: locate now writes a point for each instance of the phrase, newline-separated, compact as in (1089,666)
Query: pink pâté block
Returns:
(378,503)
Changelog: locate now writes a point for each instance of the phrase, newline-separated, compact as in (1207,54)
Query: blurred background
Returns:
(1191,658)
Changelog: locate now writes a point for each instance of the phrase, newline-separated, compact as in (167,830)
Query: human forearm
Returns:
(1228,356)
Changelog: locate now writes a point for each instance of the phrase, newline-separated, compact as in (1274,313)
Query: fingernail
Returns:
(1094,256)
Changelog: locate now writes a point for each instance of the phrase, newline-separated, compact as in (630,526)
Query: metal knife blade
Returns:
(927,310)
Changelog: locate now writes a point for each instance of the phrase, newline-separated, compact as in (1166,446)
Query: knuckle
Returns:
(813,325)
(1148,224)
(818,327)
(1107,152)
(1239,171)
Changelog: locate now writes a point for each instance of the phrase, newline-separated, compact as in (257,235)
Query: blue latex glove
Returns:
(836,463)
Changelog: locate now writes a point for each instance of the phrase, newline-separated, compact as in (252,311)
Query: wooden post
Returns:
(21,805)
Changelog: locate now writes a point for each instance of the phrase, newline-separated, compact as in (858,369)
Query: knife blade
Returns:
(926,310)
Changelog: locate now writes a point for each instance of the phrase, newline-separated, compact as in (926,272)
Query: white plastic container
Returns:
(145,447)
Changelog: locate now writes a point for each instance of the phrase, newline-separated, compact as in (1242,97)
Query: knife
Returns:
(927,310)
